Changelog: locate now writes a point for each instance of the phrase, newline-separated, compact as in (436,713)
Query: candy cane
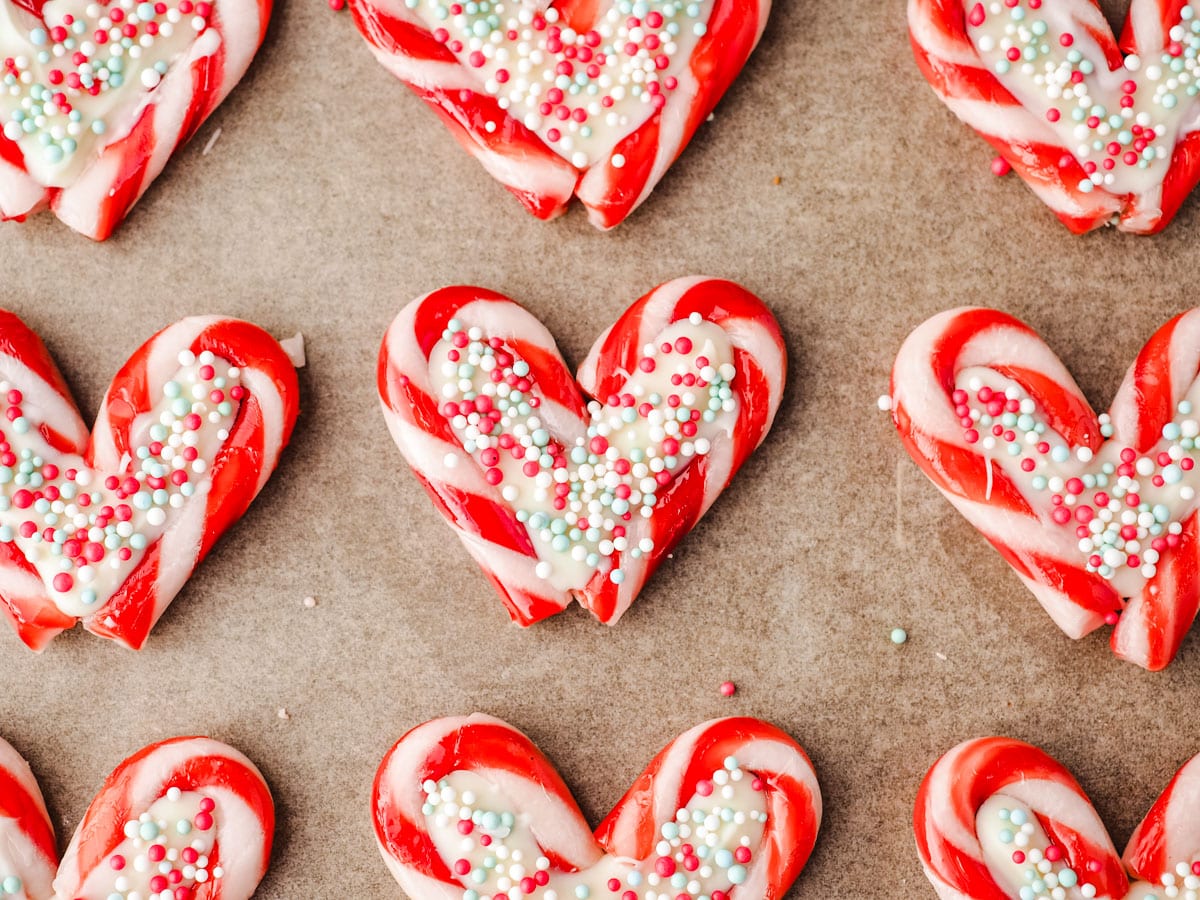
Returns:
(130,579)
(1170,833)
(998,491)
(28,856)
(961,47)
(484,104)
(536,579)
(94,192)
(483,521)
(971,850)
(760,360)
(455,786)
(195,802)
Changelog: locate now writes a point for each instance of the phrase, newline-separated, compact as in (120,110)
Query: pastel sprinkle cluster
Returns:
(1133,134)
(1049,875)
(1117,528)
(561,82)
(691,854)
(168,860)
(82,521)
(78,58)
(579,499)
(11,885)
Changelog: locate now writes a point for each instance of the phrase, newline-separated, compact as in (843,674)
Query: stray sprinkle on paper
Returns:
(294,348)
(283,713)
(309,602)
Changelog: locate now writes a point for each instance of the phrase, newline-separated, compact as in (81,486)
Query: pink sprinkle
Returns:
(117,862)
(1000,167)
(704,788)
(728,688)
(63,582)
(977,16)
(156,852)
(203,821)
(476,59)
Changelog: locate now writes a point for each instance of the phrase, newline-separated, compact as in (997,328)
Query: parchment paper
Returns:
(833,184)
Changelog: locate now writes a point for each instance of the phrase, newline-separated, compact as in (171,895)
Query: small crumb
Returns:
(283,713)
(899,636)
(216,135)
(711,117)
(294,348)
(884,402)
(337,5)
(778,180)
(728,689)
(941,656)
(309,602)
(1000,167)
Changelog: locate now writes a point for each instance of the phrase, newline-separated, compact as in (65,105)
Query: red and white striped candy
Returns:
(992,809)
(205,45)
(496,86)
(442,791)
(201,803)
(28,856)
(1088,170)
(534,578)
(233,457)
(1157,585)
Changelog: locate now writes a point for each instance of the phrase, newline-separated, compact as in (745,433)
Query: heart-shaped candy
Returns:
(107,527)
(468,807)
(557,496)
(998,819)
(594,98)
(188,818)
(1089,510)
(1103,132)
(96,95)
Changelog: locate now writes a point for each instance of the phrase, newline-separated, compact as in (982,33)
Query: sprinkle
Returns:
(1000,167)
(898,635)
(309,602)
(728,688)
(282,713)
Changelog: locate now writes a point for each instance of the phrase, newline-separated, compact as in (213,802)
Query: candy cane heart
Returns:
(558,496)
(100,95)
(1102,132)
(1096,514)
(464,806)
(28,856)
(190,818)
(998,819)
(569,97)
(106,528)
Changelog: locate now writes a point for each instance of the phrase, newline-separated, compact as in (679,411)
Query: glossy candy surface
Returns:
(998,819)
(105,527)
(1097,515)
(1103,131)
(573,98)
(462,806)
(556,496)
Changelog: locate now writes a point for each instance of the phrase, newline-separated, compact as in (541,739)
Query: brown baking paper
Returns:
(322,196)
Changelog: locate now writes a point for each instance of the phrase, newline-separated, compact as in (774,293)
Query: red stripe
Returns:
(17,803)
(1152,377)
(35,618)
(478,515)
(133,153)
